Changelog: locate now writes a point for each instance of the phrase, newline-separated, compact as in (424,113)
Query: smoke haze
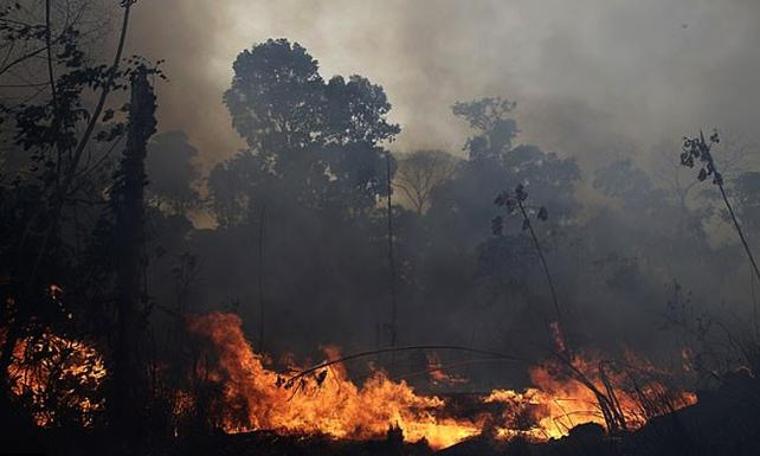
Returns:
(590,77)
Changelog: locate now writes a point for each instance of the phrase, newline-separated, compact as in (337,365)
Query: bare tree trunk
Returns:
(540,252)
(391,260)
(130,375)
(262,215)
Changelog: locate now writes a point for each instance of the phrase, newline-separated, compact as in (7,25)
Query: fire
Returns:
(438,376)
(559,402)
(253,397)
(234,390)
(57,376)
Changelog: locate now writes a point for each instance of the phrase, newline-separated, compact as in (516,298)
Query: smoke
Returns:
(588,76)
(596,80)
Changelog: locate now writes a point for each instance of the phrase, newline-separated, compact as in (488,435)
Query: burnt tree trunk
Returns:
(130,375)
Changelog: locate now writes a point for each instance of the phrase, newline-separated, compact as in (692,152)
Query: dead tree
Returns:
(421,173)
(391,260)
(515,203)
(130,376)
(697,150)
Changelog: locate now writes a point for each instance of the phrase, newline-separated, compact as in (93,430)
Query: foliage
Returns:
(488,116)
(313,141)
(171,173)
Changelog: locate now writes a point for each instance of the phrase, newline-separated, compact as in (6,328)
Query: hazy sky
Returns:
(590,77)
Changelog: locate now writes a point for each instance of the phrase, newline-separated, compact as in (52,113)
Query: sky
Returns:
(596,79)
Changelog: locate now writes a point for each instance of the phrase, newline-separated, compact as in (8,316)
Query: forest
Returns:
(326,279)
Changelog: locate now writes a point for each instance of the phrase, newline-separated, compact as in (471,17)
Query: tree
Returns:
(461,263)
(55,127)
(698,151)
(515,202)
(127,199)
(496,131)
(421,173)
(171,173)
(622,179)
(231,185)
(309,183)
(462,204)
(312,141)
(746,189)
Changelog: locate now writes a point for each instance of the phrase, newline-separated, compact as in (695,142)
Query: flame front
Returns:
(335,407)
(253,397)
(235,390)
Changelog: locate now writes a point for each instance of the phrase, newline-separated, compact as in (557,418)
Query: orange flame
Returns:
(336,406)
(56,375)
(237,393)
(438,376)
(255,397)
(562,402)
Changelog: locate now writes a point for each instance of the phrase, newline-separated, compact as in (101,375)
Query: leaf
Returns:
(702,175)
(543,214)
(526,224)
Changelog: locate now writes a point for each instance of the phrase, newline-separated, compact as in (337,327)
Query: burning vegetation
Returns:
(197,282)
(59,380)
(237,391)
(251,396)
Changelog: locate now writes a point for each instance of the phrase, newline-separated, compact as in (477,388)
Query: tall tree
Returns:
(172,173)
(317,142)
(54,125)
(463,204)
(130,373)
(495,129)
(421,173)
(314,171)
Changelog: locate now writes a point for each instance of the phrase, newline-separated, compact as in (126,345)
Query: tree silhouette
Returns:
(421,173)
(319,142)
(698,151)
(171,173)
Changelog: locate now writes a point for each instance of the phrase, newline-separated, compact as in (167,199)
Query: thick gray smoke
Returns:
(591,77)
(600,81)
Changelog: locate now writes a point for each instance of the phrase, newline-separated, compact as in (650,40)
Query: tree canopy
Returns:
(318,142)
